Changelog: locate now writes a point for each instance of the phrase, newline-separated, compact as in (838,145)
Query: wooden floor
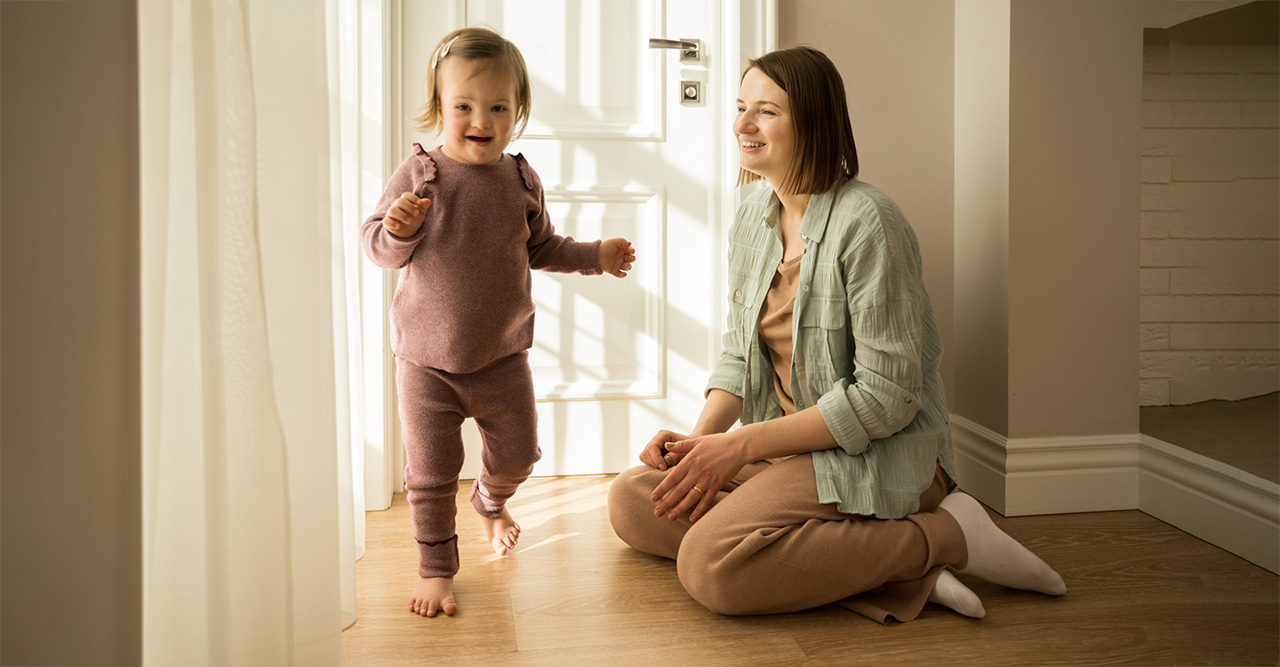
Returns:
(1139,592)
(1243,434)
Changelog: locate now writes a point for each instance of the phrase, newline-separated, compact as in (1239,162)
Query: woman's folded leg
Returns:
(770,547)
(631,510)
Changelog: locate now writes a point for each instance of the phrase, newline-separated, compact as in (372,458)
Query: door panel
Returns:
(584,90)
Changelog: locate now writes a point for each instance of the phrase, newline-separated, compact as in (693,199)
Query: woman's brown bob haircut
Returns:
(825,152)
(476,44)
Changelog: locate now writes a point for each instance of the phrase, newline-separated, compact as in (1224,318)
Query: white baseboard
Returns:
(1217,503)
(1022,476)
(1068,475)
(980,462)
(1224,506)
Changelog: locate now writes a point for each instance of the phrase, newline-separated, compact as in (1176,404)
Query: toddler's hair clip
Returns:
(444,51)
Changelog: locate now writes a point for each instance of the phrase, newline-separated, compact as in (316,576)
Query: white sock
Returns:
(996,557)
(949,592)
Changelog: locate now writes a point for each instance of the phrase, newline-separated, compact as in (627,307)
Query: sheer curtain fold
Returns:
(249,527)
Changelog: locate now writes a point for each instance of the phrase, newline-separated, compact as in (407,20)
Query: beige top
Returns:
(775,328)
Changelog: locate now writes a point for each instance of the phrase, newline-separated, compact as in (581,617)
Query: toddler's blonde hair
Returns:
(476,44)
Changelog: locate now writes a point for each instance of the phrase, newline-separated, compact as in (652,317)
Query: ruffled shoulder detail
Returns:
(526,172)
(428,165)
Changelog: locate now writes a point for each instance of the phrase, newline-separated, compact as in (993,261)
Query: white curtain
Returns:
(250,525)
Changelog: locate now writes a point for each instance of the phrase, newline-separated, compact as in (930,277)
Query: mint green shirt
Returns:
(866,345)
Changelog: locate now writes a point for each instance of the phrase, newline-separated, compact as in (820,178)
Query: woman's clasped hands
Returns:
(698,467)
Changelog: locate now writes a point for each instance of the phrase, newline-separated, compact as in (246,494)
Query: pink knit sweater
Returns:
(463,300)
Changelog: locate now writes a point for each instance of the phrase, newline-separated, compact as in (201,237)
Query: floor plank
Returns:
(1140,592)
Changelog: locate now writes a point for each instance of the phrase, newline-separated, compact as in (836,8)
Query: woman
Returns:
(836,486)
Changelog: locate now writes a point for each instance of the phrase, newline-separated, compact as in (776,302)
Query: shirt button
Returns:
(805,288)
(908,399)
(738,293)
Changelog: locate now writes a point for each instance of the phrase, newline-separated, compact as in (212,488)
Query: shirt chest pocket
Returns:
(742,318)
(740,300)
(823,348)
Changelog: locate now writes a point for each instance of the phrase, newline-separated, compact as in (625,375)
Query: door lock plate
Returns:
(691,92)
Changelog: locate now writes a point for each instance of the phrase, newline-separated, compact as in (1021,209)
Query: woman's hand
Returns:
(656,454)
(405,215)
(615,257)
(706,464)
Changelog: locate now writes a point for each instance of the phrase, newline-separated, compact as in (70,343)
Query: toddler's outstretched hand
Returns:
(616,256)
(406,215)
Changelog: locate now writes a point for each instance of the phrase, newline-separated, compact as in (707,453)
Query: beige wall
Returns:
(70,552)
(1074,135)
(982,212)
(896,60)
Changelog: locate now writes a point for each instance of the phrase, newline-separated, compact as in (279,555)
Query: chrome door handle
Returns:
(690,49)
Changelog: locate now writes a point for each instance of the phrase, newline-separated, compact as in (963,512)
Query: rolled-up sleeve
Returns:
(882,399)
(730,373)
(886,318)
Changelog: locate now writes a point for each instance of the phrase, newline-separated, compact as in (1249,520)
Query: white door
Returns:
(619,154)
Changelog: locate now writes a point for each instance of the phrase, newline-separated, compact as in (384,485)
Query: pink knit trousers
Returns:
(767,546)
(433,404)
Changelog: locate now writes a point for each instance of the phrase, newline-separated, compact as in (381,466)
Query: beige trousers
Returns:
(768,546)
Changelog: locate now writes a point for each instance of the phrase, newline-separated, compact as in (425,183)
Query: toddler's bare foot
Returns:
(433,595)
(503,532)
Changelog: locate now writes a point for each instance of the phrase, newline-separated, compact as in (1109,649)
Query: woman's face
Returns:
(766,136)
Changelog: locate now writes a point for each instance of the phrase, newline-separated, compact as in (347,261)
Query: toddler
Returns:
(466,223)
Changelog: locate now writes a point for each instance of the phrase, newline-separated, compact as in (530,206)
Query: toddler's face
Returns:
(477,105)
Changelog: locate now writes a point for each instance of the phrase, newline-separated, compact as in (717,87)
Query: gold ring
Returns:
(700,491)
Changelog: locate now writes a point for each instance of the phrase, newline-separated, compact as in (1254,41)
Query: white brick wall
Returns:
(1210,260)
